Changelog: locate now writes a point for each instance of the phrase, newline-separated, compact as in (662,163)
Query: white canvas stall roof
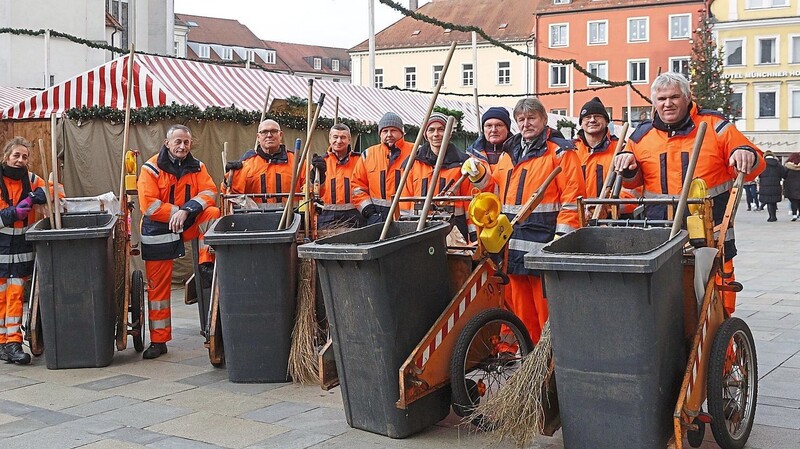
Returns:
(10,96)
(163,81)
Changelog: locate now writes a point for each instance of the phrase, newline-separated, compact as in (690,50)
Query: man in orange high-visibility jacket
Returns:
(527,160)
(19,191)
(268,168)
(177,197)
(659,151)
(595,146)
(496,124)
(377,173)
(334,171)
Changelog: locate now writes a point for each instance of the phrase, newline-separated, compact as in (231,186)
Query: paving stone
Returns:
(111,382)
(67,377)
(100,406)
(50,437)
(10,382)
(19,427)
(15,408)
(206,378)
(779,347)
(50,417)
(764,335)
(148,389)
(5,419)
(161,369)
(784,375)
(92,425)
(770,415)
(218,429)
(293,439)
(308,394)
(181,443)
(51,396)
(134,435)
(277,412)
(771,437)
(143,414)
(248,389)
(216,401)
(323,420)
(115,444)
(778,402)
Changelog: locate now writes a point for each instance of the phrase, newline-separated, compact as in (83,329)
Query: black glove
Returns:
(38,196)
(318,162)
(371,214)
(233,165)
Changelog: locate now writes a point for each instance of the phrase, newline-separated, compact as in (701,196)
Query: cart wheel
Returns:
(732,384)
(695,437)
(136,308)
(489,350)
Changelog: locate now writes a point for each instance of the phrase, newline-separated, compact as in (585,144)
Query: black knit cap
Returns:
(498,113)
(593,106)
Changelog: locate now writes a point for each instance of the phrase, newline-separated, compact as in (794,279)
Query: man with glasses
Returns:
(267,169)
(496,125)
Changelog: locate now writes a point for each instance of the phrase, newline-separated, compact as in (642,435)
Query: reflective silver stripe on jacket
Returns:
(564,228)
(712,192)
(381,202)
(338,207)
(514,209)
(153,208)
(8,230)
(16,281)
(160,239)
(16,258)
(199,197)
(525,245)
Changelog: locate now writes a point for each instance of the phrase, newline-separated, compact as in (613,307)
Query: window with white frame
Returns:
(558,75)
(559,35)
(378,79)
(561,2)
(437,73)
(227,53)
(637,114)
(317,63)
(597,32)
(680,65)
(204,51)
(558,111)
(767,104)
(503,73)
(766,48)
(760,4)
(794,49)
(637,70)
(411,77)
(638,29)
(679,26)
(795,99)
(467,75)
(734,52)
(737,101)
(598,69)
(335,65)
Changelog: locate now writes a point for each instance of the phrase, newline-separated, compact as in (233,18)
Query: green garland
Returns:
(495,42)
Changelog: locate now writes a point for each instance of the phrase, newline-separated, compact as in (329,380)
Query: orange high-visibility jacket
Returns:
(16,254)
(518,174)
(377,175)
(336,191)
(663,158)
(264,173)
(596,163)
(165,187)
(420,178)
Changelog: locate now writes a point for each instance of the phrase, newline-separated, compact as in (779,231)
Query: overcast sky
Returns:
(332,23)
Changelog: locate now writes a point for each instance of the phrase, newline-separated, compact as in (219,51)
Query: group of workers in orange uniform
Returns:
(178,196)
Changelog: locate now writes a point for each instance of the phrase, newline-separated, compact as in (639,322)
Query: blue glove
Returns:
(38,196)
(371,214)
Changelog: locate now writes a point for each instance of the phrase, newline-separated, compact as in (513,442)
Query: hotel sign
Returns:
(750,75)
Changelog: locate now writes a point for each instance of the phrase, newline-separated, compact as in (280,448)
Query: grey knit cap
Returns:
(390,120)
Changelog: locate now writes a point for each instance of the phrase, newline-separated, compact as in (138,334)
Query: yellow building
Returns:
(761,44)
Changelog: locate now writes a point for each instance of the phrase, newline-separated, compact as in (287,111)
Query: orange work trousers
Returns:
(12,295)
(728,298)
(525,296)
(159,278)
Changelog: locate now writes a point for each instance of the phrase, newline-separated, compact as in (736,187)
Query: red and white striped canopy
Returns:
(163,81)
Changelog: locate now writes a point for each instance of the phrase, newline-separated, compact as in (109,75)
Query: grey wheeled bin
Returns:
(616,314)
(75,272)
(381,297)
(257,276)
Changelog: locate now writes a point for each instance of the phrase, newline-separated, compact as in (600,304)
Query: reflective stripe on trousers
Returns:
(12,294)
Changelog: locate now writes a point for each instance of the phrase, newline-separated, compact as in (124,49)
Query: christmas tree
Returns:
(710,88)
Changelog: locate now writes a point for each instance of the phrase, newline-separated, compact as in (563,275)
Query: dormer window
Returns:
(317,63)
(203,51)
(561,2)
(415,33)
(447,30)
(502,26)
(335,65)
(227,53)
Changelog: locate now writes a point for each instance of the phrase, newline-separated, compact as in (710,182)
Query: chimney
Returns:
(413,5)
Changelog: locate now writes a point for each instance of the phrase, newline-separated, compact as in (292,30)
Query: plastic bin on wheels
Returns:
(616,315)
(75,271)
(381,298)
(257,276)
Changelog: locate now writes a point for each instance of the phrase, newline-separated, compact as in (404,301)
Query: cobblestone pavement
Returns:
(181,401)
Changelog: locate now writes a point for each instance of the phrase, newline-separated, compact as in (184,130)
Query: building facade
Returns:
(761,44)
(410,54)
(613,40)
(36,62)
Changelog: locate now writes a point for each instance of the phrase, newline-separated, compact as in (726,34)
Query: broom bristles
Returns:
(517,411)
(303,361)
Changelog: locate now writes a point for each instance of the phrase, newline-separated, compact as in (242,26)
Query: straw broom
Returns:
(517,411)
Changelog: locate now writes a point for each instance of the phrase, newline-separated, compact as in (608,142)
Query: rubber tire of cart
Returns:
(732,328)
(695,437)
(464,397)
(136,309)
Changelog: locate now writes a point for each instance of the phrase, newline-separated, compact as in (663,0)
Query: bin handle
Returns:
(426,207)
(687,180)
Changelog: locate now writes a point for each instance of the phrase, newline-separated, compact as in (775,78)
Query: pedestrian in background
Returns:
(769,190)
(751,191)
(791,183)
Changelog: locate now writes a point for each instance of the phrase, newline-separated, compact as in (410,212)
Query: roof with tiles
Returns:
(300,57)
(211,30)
(504,20)
(571,6)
